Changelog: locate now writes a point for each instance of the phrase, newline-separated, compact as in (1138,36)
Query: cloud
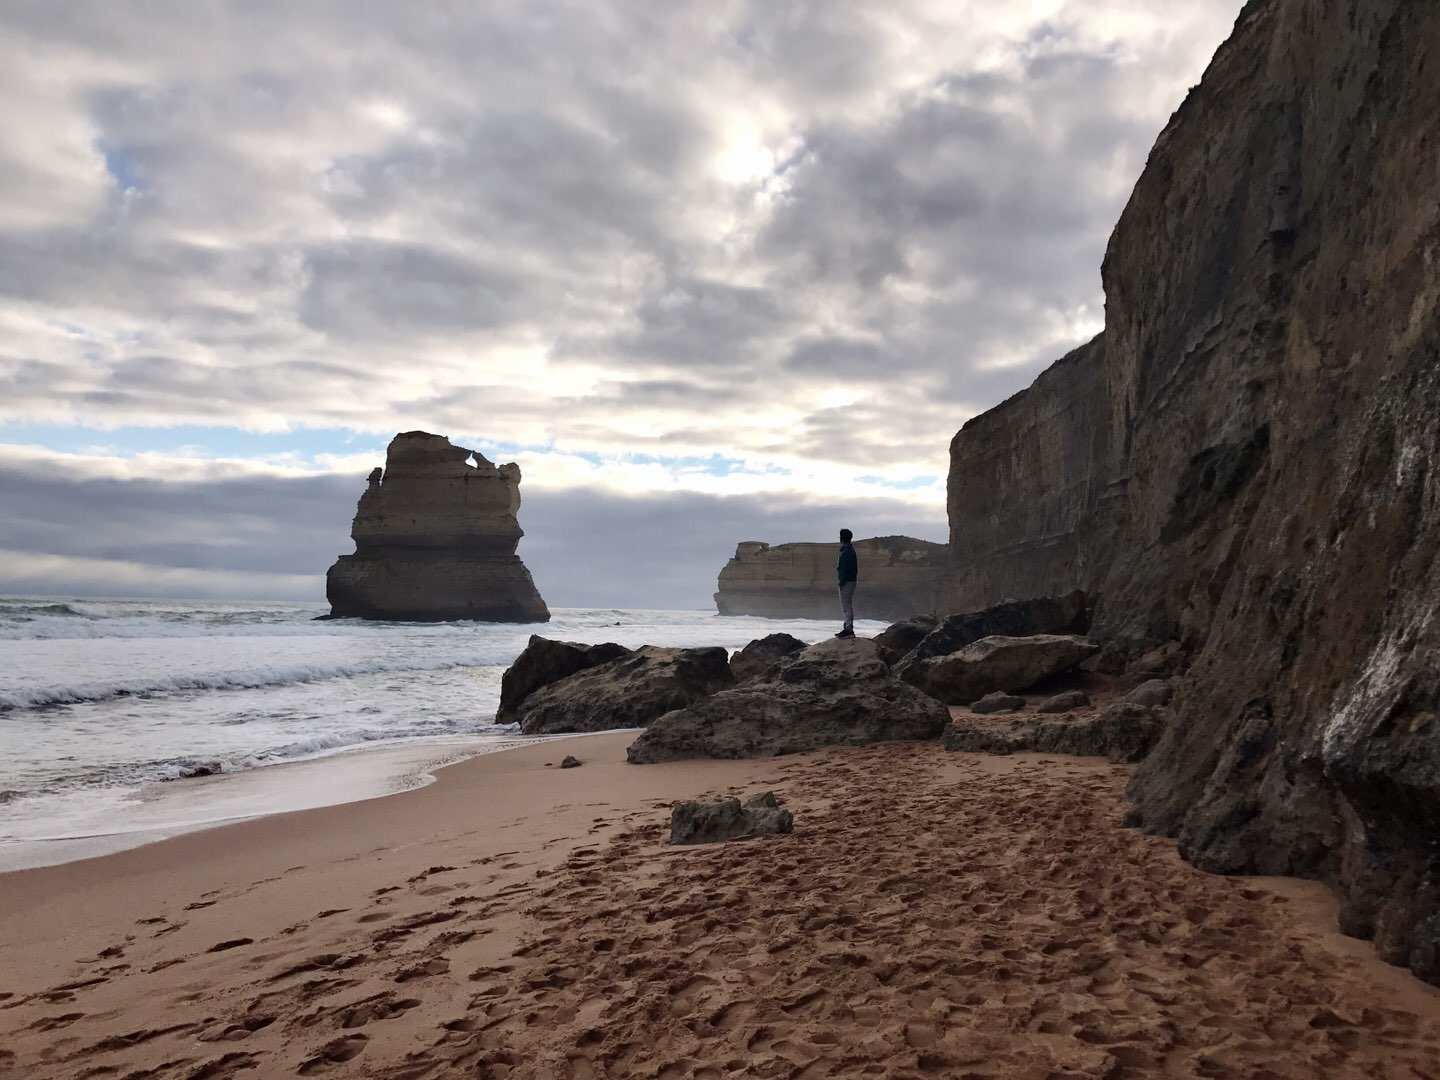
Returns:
(92,526)
(752,254)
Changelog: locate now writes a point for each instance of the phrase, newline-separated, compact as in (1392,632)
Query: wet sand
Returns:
(933,914)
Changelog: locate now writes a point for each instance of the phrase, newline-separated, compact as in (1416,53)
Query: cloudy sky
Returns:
(709,272)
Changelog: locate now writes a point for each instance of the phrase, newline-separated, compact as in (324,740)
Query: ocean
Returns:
(109,707)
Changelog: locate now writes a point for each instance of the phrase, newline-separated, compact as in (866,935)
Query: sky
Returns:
(708,272)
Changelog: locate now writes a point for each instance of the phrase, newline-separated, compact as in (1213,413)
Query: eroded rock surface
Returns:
(998,664)
(544,661)
(837,692)
(762,654)
(1245,461)
(899,577)
(1068,613)
(898,639)
(628,692)
(708,822)
(1122,732)
(435,535)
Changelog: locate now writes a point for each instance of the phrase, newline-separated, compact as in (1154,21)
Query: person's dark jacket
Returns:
(849,566)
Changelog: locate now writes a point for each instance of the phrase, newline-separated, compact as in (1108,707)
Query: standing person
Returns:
(848,570)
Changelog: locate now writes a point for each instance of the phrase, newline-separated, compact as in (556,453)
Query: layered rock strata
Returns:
(835,693)
(435,535)
(628,692)
(998,665)
(899,577)
(1245,461)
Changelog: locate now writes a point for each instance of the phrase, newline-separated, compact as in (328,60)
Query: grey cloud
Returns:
(291,250)
(584,548)
(372,291)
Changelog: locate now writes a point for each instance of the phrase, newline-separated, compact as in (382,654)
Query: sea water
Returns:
(106,706)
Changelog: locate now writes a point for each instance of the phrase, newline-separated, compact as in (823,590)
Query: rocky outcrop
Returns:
(996,664)
(762,654)
(838,692)
(727,819)
(1066,614)
(435,536)
(1245,461)
(544,661)
(899,638)
(625,693)
(899,577)
(1124,732)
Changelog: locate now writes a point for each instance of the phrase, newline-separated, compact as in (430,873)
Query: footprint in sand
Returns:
(336,1052)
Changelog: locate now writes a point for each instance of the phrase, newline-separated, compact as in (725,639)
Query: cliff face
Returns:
(435,535)
(1245,461)
(899,577)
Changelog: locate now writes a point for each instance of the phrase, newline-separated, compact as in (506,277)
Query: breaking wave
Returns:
(247,679)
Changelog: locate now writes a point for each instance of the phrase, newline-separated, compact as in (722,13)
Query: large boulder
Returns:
(838,692)
(726,819)
(762,654)
(628,692)
(899,638)
(999,663)
(545,661)
(1123,732)
(1068,614)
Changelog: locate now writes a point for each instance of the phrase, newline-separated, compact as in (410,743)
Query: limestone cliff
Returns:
(899,577)
(1245,461)
(435,535)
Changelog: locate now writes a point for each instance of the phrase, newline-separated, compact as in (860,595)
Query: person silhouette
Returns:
(848,571)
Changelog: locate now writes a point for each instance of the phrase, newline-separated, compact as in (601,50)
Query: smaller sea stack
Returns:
(899,577)
(435,536)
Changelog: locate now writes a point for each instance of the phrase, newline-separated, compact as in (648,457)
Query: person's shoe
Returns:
(846,634)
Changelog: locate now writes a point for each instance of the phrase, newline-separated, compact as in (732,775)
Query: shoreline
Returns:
(511,919)
(341,777)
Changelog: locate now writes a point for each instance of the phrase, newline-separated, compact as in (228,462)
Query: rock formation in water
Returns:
(899,577)
(1247,461)
(435,536)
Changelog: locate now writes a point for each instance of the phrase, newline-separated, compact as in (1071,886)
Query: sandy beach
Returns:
(933,914)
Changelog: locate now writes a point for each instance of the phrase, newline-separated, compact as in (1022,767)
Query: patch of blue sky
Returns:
(192,441)
(912,483)
(121,167)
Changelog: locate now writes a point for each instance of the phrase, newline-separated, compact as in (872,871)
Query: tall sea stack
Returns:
(1247,461)
(435,535)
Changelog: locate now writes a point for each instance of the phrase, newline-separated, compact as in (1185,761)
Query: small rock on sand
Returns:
(998,702)
(1069,700)
(571,762)
(726,819)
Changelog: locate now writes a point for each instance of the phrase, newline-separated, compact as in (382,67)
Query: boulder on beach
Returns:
(628,692)
(707,822)
(1123,732)
(1067,701)
(897,639)
(545,661)
(837,692)
(1068,614)
(762,654)
(999,663)
(998,702)
(1152,694)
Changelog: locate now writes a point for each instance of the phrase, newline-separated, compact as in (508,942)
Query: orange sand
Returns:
(932,915)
